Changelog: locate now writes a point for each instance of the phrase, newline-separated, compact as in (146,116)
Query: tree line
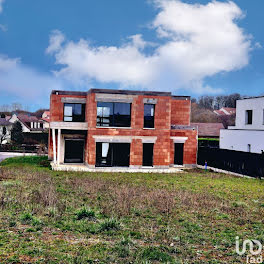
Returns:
(217,102)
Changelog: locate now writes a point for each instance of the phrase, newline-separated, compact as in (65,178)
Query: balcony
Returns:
(69,125)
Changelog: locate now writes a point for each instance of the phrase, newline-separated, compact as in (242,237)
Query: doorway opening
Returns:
(178,153)
(148,154)
(74,151)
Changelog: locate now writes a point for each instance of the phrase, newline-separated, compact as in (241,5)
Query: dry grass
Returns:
(188,218)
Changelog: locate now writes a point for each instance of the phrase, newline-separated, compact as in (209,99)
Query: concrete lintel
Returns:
(73,100)
(146,139)
(179,139)
(113,139)
(114,98)
(150,101)
(69,125)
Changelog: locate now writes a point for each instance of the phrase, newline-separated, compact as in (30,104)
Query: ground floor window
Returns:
(74,151)
(148,154)
(112,154)
(178,153)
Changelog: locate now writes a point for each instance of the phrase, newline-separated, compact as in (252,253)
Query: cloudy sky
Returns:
(186,47)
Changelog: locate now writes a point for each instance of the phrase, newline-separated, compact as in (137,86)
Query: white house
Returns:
(248,133)
(29,123)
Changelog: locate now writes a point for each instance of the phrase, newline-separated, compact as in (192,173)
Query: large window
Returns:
(74,112)
(113,114)
(249,117)
(149,112)
(112,154)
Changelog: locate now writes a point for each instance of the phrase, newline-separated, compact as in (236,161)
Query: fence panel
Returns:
(250,164)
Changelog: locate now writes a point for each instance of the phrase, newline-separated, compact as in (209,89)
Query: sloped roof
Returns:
(208,129)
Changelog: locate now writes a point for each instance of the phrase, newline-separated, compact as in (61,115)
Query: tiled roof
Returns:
(208,129)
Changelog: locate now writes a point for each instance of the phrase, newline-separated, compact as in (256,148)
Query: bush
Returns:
(85,213)
(109,224)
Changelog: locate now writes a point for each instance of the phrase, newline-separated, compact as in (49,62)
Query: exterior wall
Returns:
(190,146)
(239,140)
(167,111)
(180,112)
(255,104)
(56,106)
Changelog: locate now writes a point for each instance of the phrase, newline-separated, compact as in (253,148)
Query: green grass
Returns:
(209,139)
(66,217)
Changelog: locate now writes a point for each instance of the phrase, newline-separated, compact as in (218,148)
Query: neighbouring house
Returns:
(208,130)
(248,133)
(5,131)
(225,111)
(46,119)
(30,124)
(120,128)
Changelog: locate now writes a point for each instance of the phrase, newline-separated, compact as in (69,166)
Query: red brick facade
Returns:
(172,125)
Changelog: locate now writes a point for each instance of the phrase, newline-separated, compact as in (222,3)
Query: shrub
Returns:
(85,213)
(26,218)
(109,224)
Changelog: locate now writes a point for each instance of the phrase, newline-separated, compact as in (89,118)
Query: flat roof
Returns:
(252,97)
(112,91)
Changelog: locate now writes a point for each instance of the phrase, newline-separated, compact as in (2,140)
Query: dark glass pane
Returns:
(122,117)
(112,154)
(149,112)
(113,114)
(74,151)
(77,109)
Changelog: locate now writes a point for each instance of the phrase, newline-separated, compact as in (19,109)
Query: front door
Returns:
(178,153)
(74,149)
(148,154)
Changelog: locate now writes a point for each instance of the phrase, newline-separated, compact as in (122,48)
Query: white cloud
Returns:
(199,41)
(24,82)
(1,5)
(56,39)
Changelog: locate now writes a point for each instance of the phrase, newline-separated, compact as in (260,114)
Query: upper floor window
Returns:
(149,113)
(110,114)
(74,112)
(249,117)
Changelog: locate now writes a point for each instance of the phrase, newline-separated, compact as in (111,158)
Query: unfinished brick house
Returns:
(120,128)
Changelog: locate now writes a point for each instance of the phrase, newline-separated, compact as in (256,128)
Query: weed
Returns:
(85,213)
(109,224)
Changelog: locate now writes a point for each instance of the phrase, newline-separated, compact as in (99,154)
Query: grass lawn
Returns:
(70,217)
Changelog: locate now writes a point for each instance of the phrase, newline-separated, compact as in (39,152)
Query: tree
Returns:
(231,100)
(17,133)
(206,102)
(3,135)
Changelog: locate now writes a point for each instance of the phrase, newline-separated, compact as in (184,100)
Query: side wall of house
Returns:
(180,112)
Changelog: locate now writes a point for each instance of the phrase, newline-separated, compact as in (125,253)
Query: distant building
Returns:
(46,119)
(225,111)
(248,133)
(208,130)
(30,124)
